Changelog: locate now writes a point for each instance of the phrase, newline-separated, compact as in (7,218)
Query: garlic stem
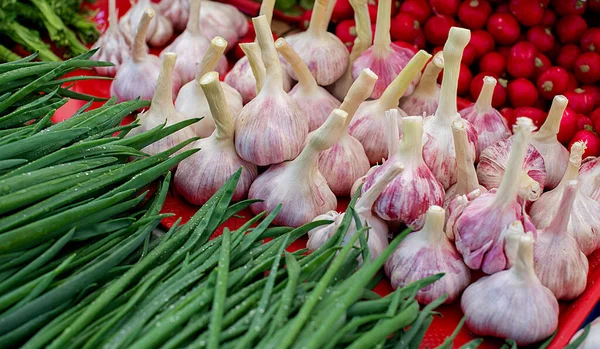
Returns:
(306,80)
(428,82)
(412,137)
(529,188)
(270,58)
(458,39)
(484,101)
(572,172)
(393,143)
(390,97)
(359,91)
(467,176)
(363,30)
(113,20)
(511,241)
(193,24)
(140,49)
(211,57)
(382,42)
(551,126)
(524,262)
(366,201)
(560,222)
(266,9)
(217,103)
(252,52)
(321,139)
(319,20)
(434,224)
(163,95)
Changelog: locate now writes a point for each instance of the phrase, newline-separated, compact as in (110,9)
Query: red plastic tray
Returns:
(572,314)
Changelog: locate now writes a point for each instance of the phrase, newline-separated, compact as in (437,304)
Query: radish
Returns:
(584,123)
(521,60)
(521,92)
(587,68)
(590,41)
(499,97)
(592,142)
(542,63)
(552,82)
(419,9)
(342,10)
(437,28)
(468,55)
(474,13)
(567,55)
(404,27)
(504,28)
(581,100)
(346,31)
(541,37)
(445,7)
(536,115)
(502,7)
(594,5)
(594,90)
(464,79)
(548,19)
(482,42)
(504,51)
(527,12)
(570,29)
(493,62)
(509,115)
(595,116)
(569,7)
(572,83)
(568,126)
(305,19)
(407,45)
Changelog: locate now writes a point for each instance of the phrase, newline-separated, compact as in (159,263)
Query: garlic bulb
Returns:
(346,161)
(323,52)
(385,58)
(592,341)
(589,177)
(407,198)
(425,253)
(191,101)
(455,209)
(489,123)
(176,11)
(362,179)
(162,111)
(315,102)
(556,156)
(438,145)
(113,46)
(270,129)
(219,19)
(584,223)
(369,124)
(479,229)
(137,76)
(512,303)
(310,195)
(425,98)
(559,263)
(158,33)
(201,175)
(377,238)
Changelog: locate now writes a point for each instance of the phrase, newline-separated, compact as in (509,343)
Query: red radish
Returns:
(569,7)
(499,97)
(462,103)
(572,83)
(521,60)
(545,3)
(552,82)
(584,123)
(568,126)
(527,12)
(468,55)
(592,142)
(493,62)
(548,19)
(570,29)
(474,13)
(437,28)
(372,5)
(404,27)
(580,100)
(342,10)
(567,55)
(504,28)
(464,79)
(502,8)
(445,7)
(509,116)
(594,90)
(305,19)
(542,63)
(536,115)
(521,93)
(504,51)
(346,31)
(590,41)
(595,116)
(482,42)
(587,68)
(419,9)
(419,40)
(541,38)
(407,45)
(540,103)
(594,5)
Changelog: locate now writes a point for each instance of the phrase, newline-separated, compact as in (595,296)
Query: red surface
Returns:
(572,314)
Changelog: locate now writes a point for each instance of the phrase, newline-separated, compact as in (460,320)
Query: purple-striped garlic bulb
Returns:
(323,52)
(137,75)
(201,175)
(479,231)
(361,180)
(559,263)
(589,177)
(592,341)
(556,156)
(489,123)
(114,45)
(512,303)
(426,97)
(377,238)
(315,102)
(584,223)
(438,145)
(191,101)
(346,161)
(369,123)
(455,209)
(407,198)
(219,19)
(385,58)
(309,196)
(429,252)
(270,129)
(160,29)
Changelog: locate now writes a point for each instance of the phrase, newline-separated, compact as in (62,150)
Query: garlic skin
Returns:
(138,75)
(191,101)
(589,177)
(592,341)
(323,52)
(369,123)
(219,19)
(310,195)
(176,11)
(455,209)
(512,303)
(201,175)
(346,161)
(160,30)
(113,46)
(584,222)
(362,179)
(407,198)
(315,102)
(556,156)
(489,123)
(425,98)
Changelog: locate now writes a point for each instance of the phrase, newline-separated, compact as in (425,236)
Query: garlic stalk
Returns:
(323,52)
(176,11)
(201,175)
(584,222)
(315,102)
(512,303)
(310,195)
(426,97)
(438,150)
(113,46)
(425,253)
(589,177)
(369,124)
(191,101)
(556,156)
(512,237)
(160,30)
(346,161)
(137,76)
(592,341)
(270,129)
(407,198)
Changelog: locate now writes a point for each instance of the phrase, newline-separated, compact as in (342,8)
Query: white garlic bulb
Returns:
(114,45)
(425,99)
(592,341)
(160,30)
(589,177)
(225,20)
(362,179)
(176,11)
